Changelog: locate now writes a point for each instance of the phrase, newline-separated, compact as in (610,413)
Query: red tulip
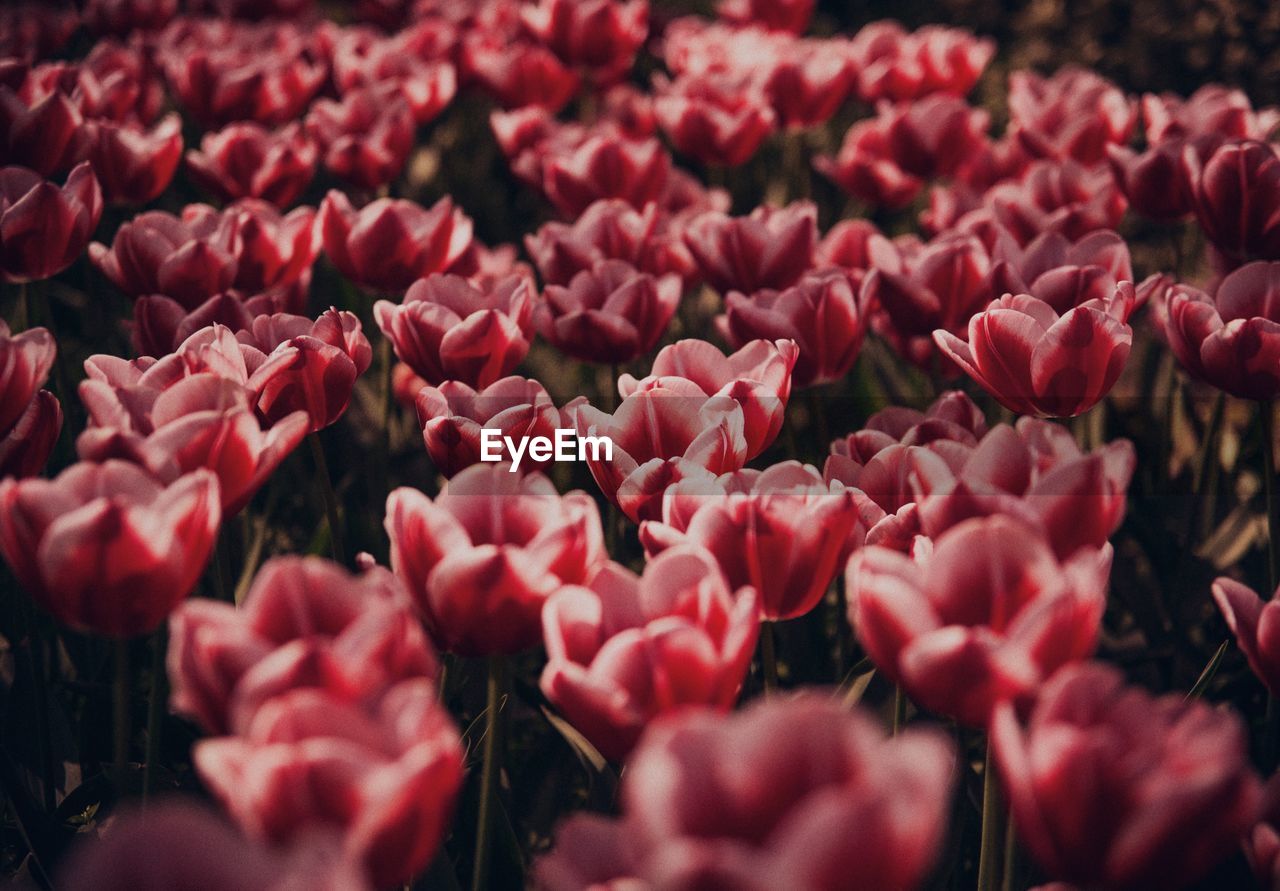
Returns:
(518,74)
(916,292)
(808,83)
(887,159)
(391,243)
(247,160)
(779,15)
(1155,181)
(161,324)
(134,165)
(224,71)
(1251,619)
(447,329)
(771,248)
(757,377)
(158,253)
(106,548)
(825,314)
(1035,473)
(1075,113)
(623,650)
(120,82)
(1230,339)
(1109,786)
(453,416)
(790,793)
(900,66)
(1054,196)
(847,246)
(598,35)
(43,228)
(1037,362)
(366,138)
(200,421)
(605,166)
(610,313)
(1213,111)
(715,120)
(661,433)
(26,447)
(1235,193)
(25,362)
(481,558)
(123,17)
(382,775)
(986,618)
(40,132)
(609,230)
(307,365)
(1061,273)
(782,531)
(179,844)
(305,623)
(363,59)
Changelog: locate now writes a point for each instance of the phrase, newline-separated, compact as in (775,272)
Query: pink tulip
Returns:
(623,649)
(454,416)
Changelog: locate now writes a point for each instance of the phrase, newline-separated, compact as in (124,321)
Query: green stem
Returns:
(488,775)
(388,413)
(768,658)
(331,511)
(1010,865)
(1203,458)
(24,307)
(155,700)
(988,865)
(120,712)
(40,691)
(1266,414)
(899,709)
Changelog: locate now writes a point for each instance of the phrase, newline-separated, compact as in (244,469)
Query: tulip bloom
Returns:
(986,618)
(25,362)
(134,165)
(605,166)
(1235,192)
(825,313)
(610,313)
(715,120)
(41,133)
(246,160)
(1076,113)
(1232,339)
(200,421)
(1109,786)
(1250,619)
(915,292)
(106,548)
(1155,181)
(518,74)
(757,377)
(382,775)
(26,447)
(904,66)
(782,532)
(887,159)
(808,83)
(778,15)
(122,17)
(623,650)
(447,329)
(789,793)
(609,230)
(482,558)
(454,416)
(661,433)
(1035,362)
(43,228)
(223,71)
(771,248)
(599,35)
(1062,273)
(366,138)
(362,58)
(305,623)
(1059,196)
(180,844)
(391,243)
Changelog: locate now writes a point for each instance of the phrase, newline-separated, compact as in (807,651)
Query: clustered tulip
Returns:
(653,272)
